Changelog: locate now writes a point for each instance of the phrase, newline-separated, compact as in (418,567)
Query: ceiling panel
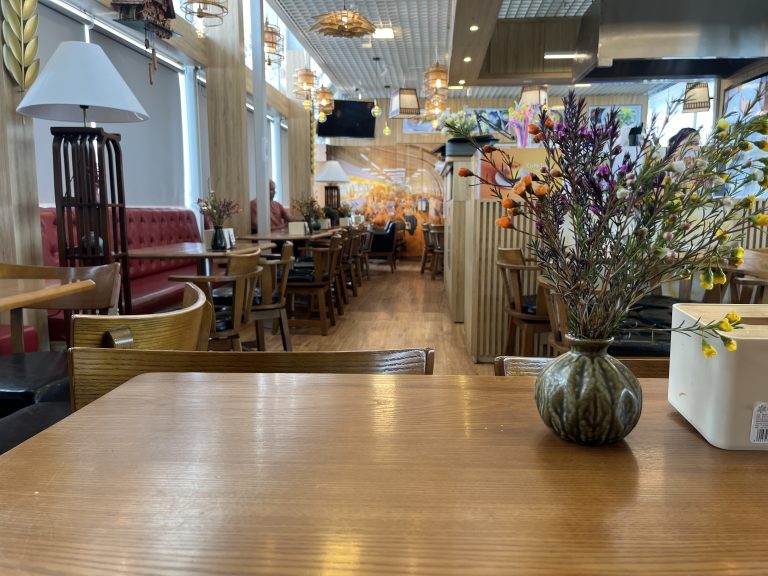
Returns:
(543,8)
(601,89)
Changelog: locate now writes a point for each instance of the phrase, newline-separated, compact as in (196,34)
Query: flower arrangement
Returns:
(217,210)
(344,211)
(462,121)
(610,226)
(310,209)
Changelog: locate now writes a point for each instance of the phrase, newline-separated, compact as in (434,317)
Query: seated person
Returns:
(278,215)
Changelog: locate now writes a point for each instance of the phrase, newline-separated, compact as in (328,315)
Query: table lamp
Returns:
(80,83)
(332,174)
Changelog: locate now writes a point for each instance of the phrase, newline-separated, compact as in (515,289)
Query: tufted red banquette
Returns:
(151,290)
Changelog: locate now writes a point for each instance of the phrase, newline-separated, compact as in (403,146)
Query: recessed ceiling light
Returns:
(462,82)
(455,87)
(582,85)
(384,33)
(474,28)
(467,58)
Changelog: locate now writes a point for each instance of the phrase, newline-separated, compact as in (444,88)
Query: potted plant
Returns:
(311,212)
(217,211)
(345,212)
(609,227)
(462,126)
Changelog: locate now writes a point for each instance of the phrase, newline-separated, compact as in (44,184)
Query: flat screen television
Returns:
(349,119)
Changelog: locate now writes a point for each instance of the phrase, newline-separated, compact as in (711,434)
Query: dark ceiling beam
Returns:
(484,14)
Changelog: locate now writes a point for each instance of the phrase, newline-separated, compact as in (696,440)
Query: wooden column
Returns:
(457,194)
(227,135)
(20,215)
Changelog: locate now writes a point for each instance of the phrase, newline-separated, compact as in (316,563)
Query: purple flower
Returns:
(595,209)
(539,225)
(622,170)
(603,171)
(617,150)
(560,130)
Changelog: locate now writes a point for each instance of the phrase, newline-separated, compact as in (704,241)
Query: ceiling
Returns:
(423,34)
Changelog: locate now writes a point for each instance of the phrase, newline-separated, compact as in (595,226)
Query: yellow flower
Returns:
(737,262)
(721,234)
(724,325)
(725,176)
(706,280)
(760,219)
(719,277)
(745,145)
(762,144)
(722,125)
(730,344)
(733,317)
(737,252)
(707,349)
(763,127)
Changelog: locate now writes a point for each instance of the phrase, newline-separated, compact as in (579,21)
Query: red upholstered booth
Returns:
(151,290)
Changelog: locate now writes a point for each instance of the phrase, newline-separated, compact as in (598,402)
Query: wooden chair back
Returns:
(274,279)
(241,274)
(511,265)
(437,237)
(95,372)
(425,234)
(101,298)
(177,330)
(558,317)
(518,366)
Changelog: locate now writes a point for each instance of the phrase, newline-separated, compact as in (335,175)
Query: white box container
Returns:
(297,228)
(724,397)
(325,223)
(345,221)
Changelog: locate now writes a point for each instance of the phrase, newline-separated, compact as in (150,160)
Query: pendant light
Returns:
(273,43)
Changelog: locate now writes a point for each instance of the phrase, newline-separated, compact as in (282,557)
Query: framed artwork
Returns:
(629,115)
(418,125)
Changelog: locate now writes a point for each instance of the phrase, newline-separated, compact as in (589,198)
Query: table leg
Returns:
(17,330)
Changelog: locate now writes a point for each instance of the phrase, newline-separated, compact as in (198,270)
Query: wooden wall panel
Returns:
(300,143)
(227,117)
(20,216)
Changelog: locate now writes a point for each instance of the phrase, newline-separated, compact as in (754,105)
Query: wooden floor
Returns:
(400,310)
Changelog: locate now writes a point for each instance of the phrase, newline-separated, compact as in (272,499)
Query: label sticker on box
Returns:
(759,433)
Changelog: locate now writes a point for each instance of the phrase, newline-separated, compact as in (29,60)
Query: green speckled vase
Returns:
(587,396)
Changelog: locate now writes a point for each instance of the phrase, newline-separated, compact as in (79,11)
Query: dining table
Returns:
(17,294)
(197,473)
(197,251)
(285,235)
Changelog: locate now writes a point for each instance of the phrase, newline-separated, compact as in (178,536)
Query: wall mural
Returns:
(393,183)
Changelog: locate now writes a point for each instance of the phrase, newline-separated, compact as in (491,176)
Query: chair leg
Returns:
(435,259)
(423,260)
(352,279)
(323,314)
(391,260)
(261,341)
(284,330)
(511,338)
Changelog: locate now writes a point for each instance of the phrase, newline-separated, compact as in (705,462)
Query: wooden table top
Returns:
(191,250)
(16,294)
(283,235)
(309,474)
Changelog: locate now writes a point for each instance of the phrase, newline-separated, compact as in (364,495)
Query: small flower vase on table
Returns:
(587,396)
(218,240)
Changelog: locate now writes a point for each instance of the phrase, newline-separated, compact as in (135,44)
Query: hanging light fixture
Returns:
(376,110)
(324,98)
(436,78)
(696,98)
(304,81)
(435,105)
(273,43)
(404,103)
(534,95)
(387,129)
(343,24)
(321,117)
(205,13)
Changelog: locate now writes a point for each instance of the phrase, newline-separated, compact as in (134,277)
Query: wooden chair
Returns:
(95,372)
(365,250)
(427,251)
(526,312)
(749,281)
(383,245)
(437,241)
(185,329)
(516,366)
(350,262)
(231,319)
(99,300)
(269,304)
(316,283)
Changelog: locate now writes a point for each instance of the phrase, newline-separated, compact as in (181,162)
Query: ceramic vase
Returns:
(218,240)
(587,396)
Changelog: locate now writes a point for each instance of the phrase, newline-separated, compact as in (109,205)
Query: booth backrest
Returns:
(145,226)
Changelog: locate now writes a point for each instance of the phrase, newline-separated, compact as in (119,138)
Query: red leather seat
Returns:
(151,291)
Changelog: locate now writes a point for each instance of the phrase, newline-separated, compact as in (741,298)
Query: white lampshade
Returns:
(332,172)
(696,98)
(80,74)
